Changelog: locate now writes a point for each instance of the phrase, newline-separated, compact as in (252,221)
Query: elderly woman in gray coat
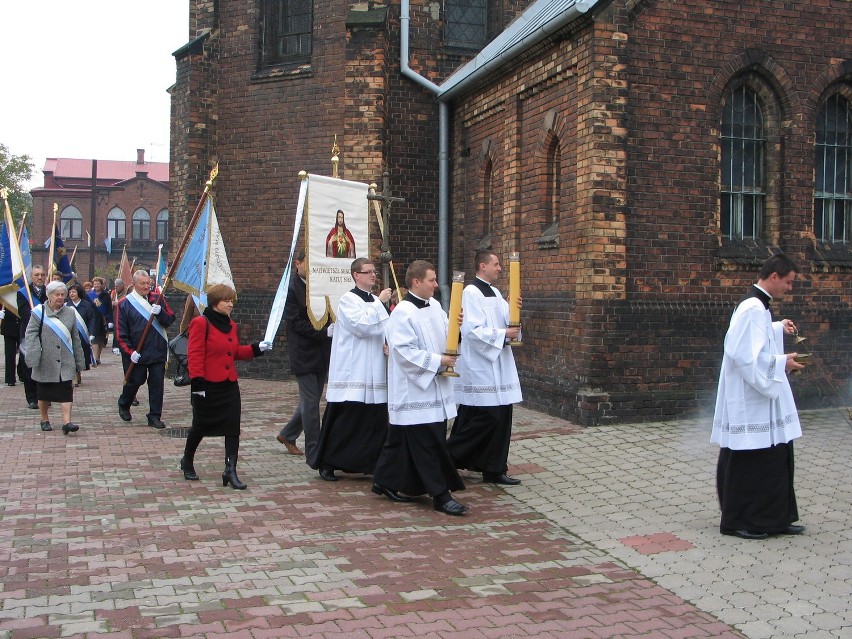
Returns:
(53,349)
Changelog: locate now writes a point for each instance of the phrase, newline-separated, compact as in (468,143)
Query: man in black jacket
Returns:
(39,296)
(309,350)
(10,329)
(149,363)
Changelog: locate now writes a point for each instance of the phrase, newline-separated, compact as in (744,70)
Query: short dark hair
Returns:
(218,293)
(358,263)
(778,263)
(299,255)
(81,292)
(417,271)
(482,257)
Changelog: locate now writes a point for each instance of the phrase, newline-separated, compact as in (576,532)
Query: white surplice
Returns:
(486,365)
(754,404)
(358,369)
(417,337)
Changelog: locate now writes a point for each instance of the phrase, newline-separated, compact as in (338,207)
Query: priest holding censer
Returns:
(756,419)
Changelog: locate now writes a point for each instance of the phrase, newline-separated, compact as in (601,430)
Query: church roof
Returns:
(538,21)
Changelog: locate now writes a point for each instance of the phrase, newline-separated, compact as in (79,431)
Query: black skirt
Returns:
(352,436)
(61,392)
(217,414)
(480,438)
(755,489)
(415,461)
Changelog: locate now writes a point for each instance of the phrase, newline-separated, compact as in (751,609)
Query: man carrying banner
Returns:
(487,385)
(39,296)
(309,350)
(414,459)
(355,422)
(149,365)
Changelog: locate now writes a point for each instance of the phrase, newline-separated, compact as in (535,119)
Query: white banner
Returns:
(337,232)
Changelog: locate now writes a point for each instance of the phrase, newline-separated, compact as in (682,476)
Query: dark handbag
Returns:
(178,349)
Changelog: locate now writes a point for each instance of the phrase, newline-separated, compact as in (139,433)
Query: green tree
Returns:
(15,172)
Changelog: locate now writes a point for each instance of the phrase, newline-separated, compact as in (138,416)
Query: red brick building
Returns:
(129,205)
(643,156)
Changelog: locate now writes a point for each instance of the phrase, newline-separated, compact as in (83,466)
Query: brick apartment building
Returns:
(129,204)
(644,157)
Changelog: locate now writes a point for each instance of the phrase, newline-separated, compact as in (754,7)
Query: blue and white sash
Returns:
(56,326)
(143,307)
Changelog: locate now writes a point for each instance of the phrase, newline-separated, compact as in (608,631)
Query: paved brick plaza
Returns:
(612,534)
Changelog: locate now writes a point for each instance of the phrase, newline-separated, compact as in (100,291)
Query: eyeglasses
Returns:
(373,272)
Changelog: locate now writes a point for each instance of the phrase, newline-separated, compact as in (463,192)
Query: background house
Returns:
(644,157)
(126,202)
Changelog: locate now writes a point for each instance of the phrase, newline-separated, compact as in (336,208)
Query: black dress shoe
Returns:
(124,414)
(154,422)
(451,507)
(188,469)
(327,474)
(33,405)
(500,478)
(46,427)
(745,534)
(390,494)
(69,428)
(793,529)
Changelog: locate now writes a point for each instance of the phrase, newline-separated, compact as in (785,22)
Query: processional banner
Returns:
(336,232)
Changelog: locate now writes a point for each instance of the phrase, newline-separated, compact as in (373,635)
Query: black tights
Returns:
(232,445)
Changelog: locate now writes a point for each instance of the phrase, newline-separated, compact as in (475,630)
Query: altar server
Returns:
(756,420)
(488,384)
(355,422)
(414,459)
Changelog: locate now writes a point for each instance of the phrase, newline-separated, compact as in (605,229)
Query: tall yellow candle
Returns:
(514,288)
(455,310)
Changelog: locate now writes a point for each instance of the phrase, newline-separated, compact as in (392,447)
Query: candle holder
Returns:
(454,328)
(449,371)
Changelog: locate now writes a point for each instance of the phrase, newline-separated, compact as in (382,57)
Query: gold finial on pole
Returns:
(4,193)
(335,158)
(55,208)
(214,172)
(303,175)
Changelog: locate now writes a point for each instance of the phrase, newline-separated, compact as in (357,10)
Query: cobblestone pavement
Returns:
(613,533)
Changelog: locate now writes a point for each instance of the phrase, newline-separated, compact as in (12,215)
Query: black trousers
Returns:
(25,374)
(154,375)
(10,348)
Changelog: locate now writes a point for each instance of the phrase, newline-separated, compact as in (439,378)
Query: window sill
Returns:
(281,72)
(743,253)
(827,255)
(549,238)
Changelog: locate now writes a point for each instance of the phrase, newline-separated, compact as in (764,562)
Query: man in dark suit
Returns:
(39,296)
(309,350)
(10,329)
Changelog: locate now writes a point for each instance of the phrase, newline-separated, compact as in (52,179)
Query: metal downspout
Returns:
(443,156)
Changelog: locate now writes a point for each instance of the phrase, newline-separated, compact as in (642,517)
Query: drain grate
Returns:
(178,433)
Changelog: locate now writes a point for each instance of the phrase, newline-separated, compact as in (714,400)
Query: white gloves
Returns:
(155,309)
(115,351)
(2,313)
(135,357)
(330,330)
(91,339)
(265,347)
(110,326)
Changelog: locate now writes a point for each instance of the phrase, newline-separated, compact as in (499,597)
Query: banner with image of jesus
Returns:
(336,232)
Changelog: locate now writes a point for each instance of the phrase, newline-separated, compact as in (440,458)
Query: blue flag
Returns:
(60,257)
(26,256)
(11,267)
(191,272)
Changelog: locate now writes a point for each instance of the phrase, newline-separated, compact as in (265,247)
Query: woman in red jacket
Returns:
(212,350)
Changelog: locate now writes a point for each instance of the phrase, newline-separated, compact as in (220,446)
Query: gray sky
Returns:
(88,79)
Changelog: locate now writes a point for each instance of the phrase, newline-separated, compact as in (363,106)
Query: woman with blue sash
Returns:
(54,350)
(87,322)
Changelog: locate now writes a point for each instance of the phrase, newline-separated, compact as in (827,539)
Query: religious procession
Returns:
(394,366)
